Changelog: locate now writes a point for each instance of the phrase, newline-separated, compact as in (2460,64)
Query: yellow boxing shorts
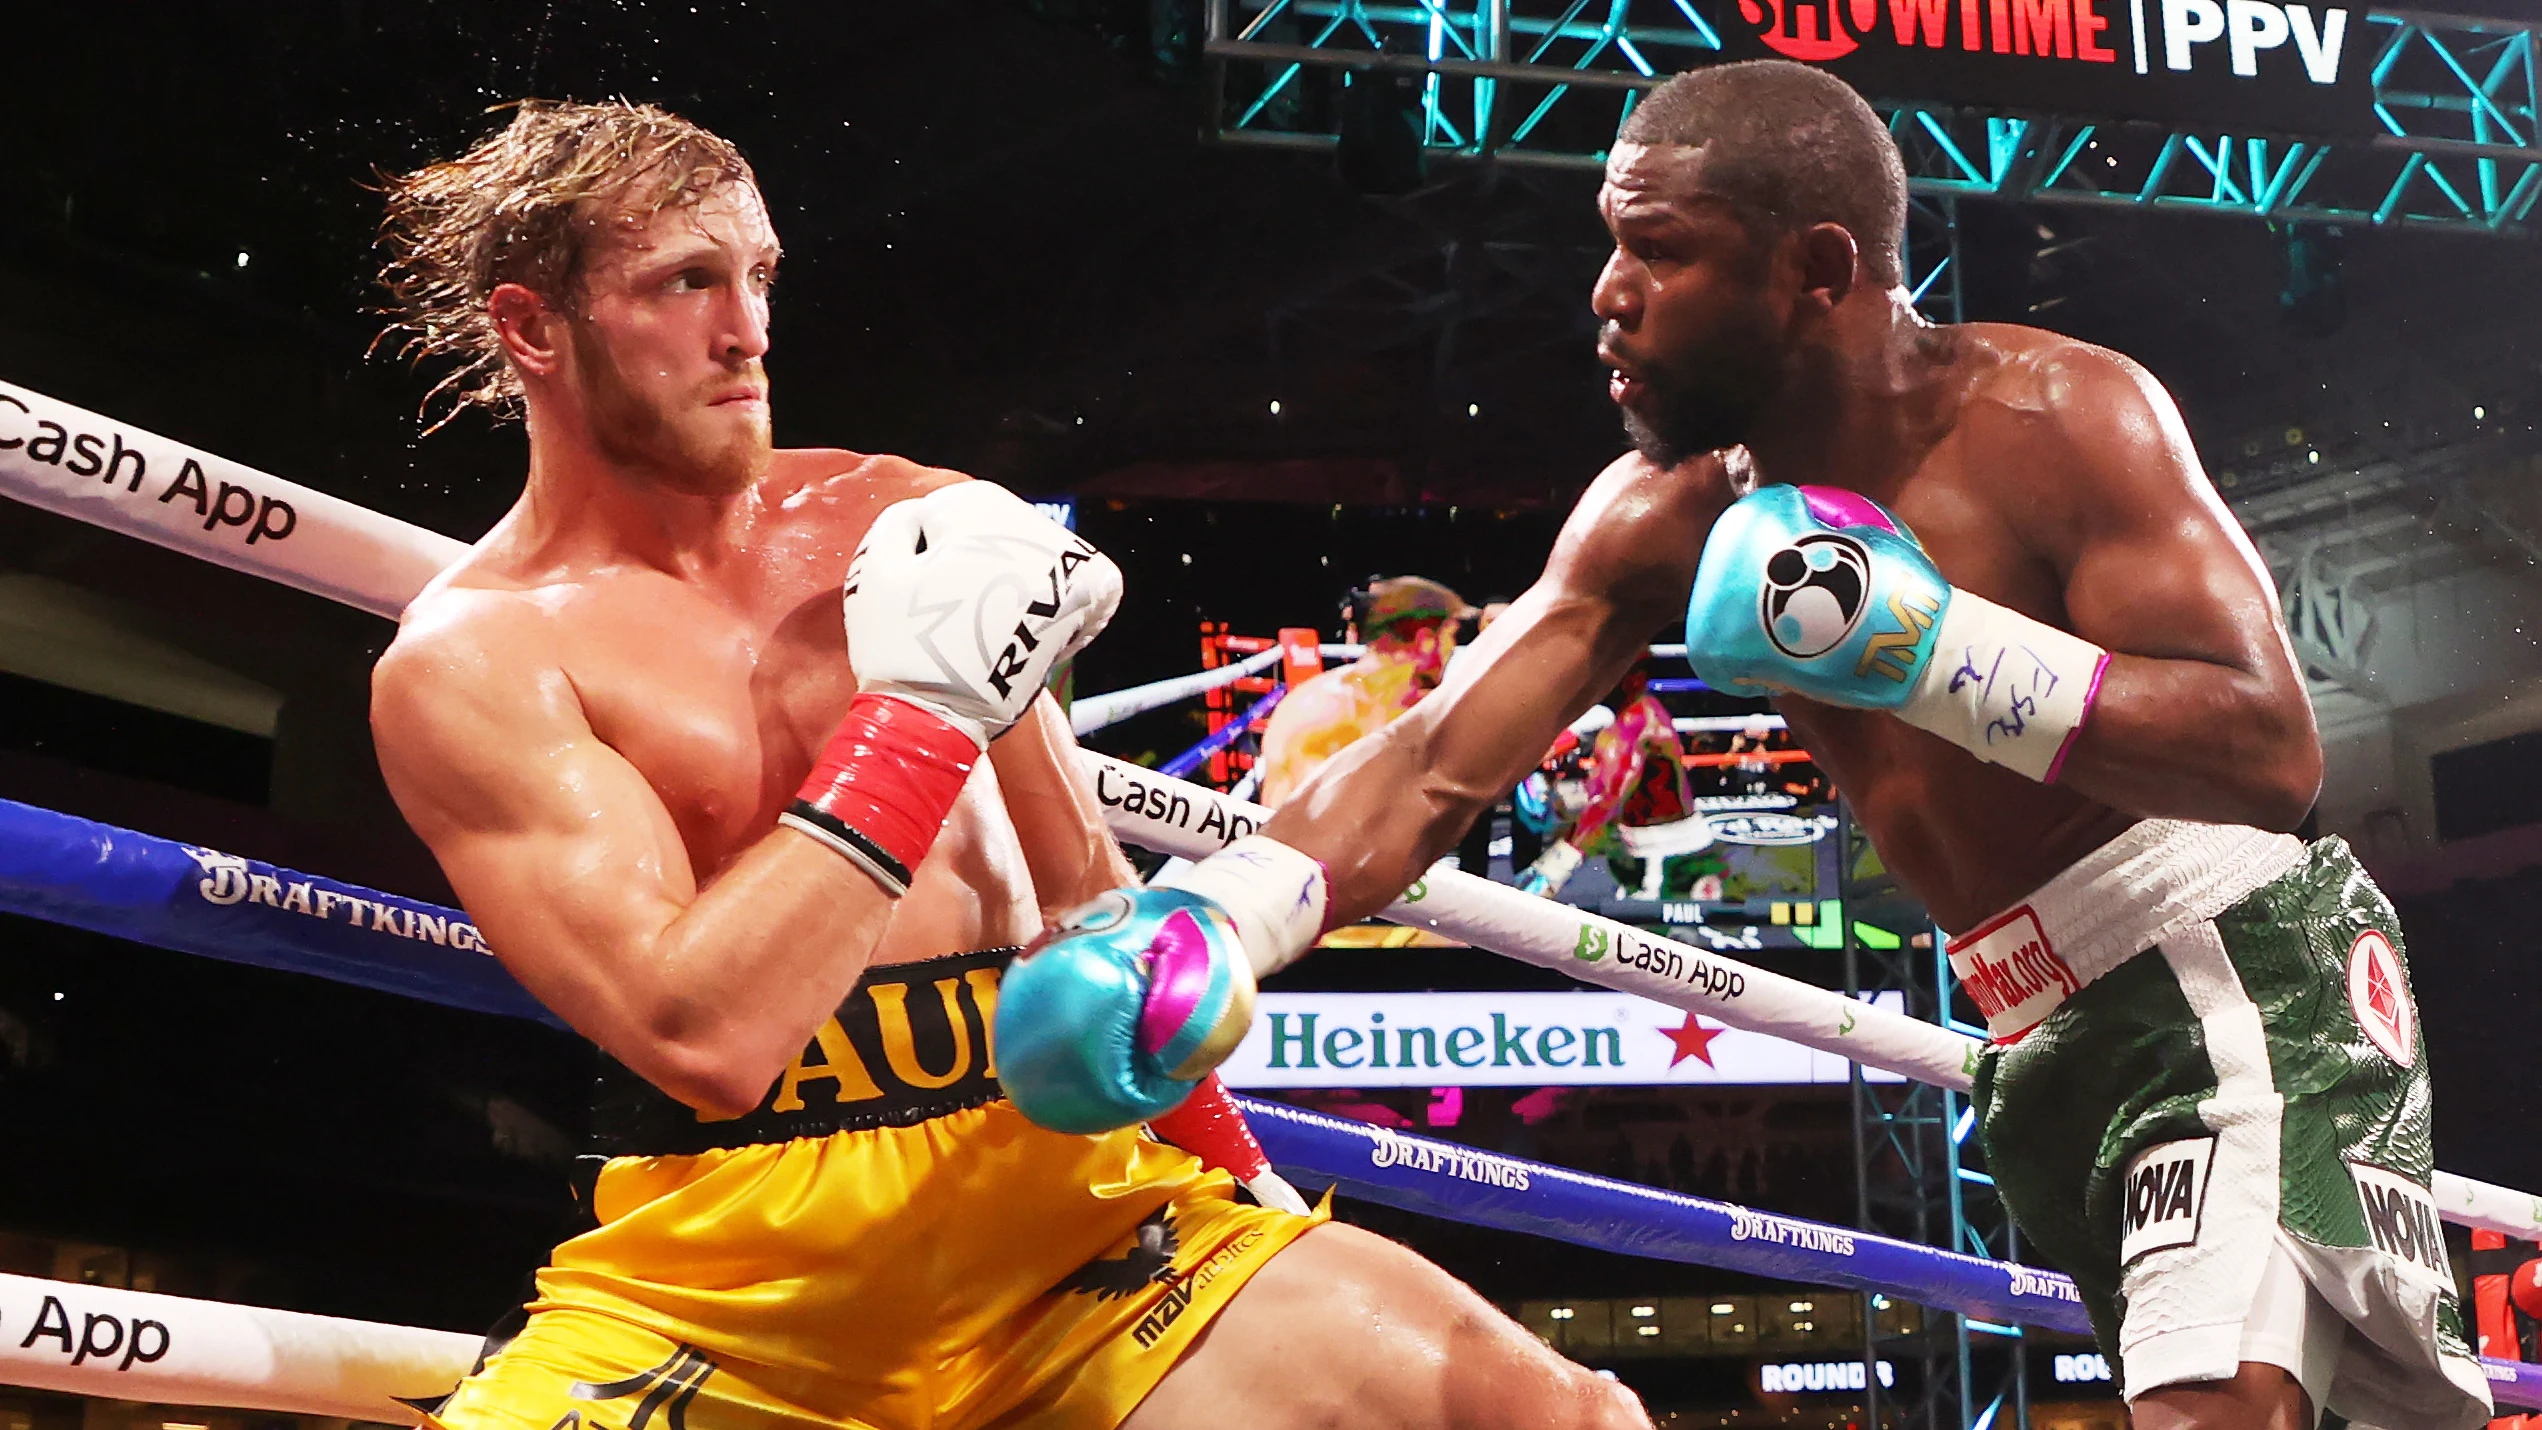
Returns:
(885,1242)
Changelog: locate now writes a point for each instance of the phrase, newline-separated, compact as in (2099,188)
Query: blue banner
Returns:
(156,891)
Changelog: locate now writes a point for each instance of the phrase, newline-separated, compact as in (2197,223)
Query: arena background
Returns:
(1010,250)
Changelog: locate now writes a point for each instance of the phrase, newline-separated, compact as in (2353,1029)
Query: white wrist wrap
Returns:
(1274,893)
(2008,689)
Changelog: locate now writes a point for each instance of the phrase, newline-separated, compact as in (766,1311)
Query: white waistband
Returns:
(2149,883)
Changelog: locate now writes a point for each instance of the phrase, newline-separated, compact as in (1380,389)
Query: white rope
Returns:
(1338,651)
(1717,724)
(365,559)
(94,469)
(1096,711)
(168,1350)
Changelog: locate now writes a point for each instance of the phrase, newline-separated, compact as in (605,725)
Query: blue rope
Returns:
(1182,765)
(156,891)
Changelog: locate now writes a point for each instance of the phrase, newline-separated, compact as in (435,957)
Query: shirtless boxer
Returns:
(1410,631)
(775,875)
(2007,613)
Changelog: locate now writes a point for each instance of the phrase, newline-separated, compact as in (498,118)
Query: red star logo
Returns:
(1692,1040)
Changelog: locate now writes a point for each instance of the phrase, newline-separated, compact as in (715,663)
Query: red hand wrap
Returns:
(883,785)
(1211,1127)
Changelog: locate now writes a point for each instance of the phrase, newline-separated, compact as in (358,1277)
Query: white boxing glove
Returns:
(958,604)
(961,601)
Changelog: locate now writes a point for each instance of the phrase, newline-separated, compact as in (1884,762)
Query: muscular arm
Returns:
(571,865)
(1384,808)
(2202,712)
(1071,854)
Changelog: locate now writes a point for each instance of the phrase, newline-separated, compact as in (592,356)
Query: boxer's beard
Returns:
(1705,398)
(686,449)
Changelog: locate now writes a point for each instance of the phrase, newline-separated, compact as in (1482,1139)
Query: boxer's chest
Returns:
(1967,836)
(720,703)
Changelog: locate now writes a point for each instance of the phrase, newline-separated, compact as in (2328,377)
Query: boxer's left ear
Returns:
(1830,260)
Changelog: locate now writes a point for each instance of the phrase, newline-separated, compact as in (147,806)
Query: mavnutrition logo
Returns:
(2179,36)
(1148,1258)
(1180,1289)
(2165,1193)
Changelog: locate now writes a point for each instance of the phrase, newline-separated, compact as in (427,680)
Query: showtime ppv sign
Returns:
(2255,65)
(1358,1040)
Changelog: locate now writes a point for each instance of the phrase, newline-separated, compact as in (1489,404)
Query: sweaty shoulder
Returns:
(465,640)
(804,474)
(2063,386)
(2072,437)
(1637,531)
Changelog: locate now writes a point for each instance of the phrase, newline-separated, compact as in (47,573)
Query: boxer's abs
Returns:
(1967,838)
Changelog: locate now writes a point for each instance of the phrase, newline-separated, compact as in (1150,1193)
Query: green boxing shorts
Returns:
(2206,1100)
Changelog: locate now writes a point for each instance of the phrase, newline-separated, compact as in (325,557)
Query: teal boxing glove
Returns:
(1823,592)
(1116,1014)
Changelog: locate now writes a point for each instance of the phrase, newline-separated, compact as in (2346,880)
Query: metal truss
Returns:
(1918,1173)
(1933,268)
(1548,82)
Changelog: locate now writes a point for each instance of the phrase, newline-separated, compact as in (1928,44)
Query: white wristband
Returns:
(1274,893)
(2008,689)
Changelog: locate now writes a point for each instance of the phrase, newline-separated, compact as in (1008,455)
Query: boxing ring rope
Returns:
(140,1346)
(1225,735)
(115,475)
(136,886)
(1094,712)
(335,549)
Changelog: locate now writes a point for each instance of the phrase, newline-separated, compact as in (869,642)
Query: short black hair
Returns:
(1791,146)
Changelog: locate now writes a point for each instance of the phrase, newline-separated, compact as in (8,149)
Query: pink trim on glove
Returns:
(2091,697)
(1178,978)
